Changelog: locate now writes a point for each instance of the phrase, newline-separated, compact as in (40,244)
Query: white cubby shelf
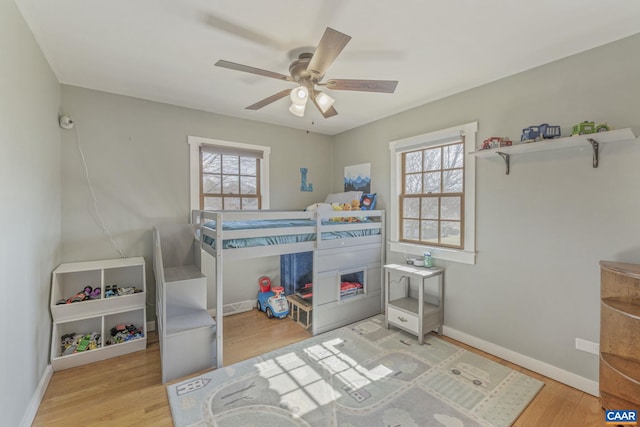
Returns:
(97,316)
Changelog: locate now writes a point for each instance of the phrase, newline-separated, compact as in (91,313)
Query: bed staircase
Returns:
(186,331)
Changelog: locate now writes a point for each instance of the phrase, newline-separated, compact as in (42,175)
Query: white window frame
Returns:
(467,255)
(194,167)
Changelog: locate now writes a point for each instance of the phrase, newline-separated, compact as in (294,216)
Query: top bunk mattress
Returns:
(282,239)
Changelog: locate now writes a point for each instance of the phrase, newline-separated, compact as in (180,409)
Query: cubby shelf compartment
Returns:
(71,278)
(576,141)
(101,325)
(99,315)
(619,335)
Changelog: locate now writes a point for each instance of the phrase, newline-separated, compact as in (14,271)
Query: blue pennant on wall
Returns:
(303,184)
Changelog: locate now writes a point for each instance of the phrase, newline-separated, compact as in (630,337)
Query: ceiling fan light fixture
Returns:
(299,95)
(297,110)
(324,101)
(308,71)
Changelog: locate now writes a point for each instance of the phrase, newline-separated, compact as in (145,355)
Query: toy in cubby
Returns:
(76,343)
(116,291)
(123,333)
(87,293)
(90,293)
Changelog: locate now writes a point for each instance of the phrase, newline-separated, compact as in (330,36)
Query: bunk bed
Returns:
(344,245)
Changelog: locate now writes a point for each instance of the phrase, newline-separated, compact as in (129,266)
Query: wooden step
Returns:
(620,376)
(609,401)
(619,331)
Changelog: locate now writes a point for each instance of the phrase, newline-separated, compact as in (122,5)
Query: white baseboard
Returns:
(234,308)
(34,404)
(553,372)
(239,307)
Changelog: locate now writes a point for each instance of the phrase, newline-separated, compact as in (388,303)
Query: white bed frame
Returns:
(331,259)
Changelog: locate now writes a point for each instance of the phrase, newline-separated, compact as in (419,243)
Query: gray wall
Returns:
(29,212)
(138,160)
(541,230)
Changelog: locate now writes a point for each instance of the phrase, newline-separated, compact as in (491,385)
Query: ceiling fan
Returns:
(307,72)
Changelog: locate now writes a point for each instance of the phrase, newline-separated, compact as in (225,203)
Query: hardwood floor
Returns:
(126,390)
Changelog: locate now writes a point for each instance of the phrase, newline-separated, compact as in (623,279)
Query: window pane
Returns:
(452,181)
(450,232)
(211,163)
(230,164)
(429,231)
(430,208)
(453,156)
(230,185)
(411,207)
(248,166)
(232,203)
(213,203)
(432,182)
(229,181)
(250,203)
(451,208)
(413,184)
(413,162)
(212,184)
(410,229)
(432,159)
(248,185)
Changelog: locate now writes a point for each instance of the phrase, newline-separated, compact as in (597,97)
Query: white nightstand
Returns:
(408,312)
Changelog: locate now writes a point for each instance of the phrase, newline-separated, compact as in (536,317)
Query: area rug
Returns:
(358,375)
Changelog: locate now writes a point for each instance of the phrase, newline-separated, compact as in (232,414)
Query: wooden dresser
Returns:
(619,335)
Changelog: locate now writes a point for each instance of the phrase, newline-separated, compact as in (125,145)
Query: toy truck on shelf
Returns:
(495,142)
(538,133)
(589,127)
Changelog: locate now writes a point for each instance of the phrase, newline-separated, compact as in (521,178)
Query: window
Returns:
(227,175)
(433,194)
(432,198)
(228,180)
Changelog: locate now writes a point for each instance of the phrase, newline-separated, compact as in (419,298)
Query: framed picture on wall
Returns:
(358,178)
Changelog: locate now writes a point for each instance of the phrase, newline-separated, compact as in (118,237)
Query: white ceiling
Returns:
(164,50)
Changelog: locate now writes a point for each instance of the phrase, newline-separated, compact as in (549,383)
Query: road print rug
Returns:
(358,375)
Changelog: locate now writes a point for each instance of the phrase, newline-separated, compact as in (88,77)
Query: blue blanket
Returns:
(280,239)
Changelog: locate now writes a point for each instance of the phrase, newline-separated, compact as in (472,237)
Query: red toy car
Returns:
(495,142)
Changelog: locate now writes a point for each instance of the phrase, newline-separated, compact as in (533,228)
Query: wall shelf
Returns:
(593,139)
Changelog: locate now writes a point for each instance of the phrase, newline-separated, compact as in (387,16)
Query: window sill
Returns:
(455,255)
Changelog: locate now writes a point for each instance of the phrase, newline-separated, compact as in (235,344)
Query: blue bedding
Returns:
(281,239)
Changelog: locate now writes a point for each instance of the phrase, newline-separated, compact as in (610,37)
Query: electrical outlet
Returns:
(588,346)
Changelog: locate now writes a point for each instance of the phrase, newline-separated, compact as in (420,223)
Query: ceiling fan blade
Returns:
(330,112)
(383,86)
(237,30)
(329,47)
(269,100)
(253,70)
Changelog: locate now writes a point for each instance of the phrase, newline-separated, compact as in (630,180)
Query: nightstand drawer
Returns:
(402,319)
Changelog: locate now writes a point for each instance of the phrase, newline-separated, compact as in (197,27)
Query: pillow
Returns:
(343,198)
(368,201)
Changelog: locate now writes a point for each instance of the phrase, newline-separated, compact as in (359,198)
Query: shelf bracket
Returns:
(595,146)
(507,161)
